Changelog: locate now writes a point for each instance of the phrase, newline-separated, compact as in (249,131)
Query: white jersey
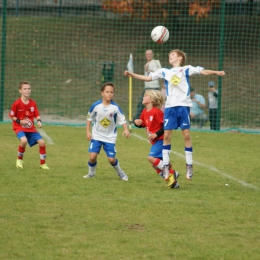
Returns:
(104,120)
(177,84)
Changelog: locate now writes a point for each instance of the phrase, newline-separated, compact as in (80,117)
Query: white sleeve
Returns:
(194,70)
(120,117)
(156,74)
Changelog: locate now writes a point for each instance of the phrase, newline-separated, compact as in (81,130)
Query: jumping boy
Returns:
(178,103)
(23,112)
(105,114)
(152,119)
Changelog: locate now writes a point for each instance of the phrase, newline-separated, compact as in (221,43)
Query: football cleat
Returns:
(89,175)
(189,172)
(122,175)
(19,164)
(44,166)
(172,181)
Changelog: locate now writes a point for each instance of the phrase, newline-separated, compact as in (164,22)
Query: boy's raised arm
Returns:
(137,76)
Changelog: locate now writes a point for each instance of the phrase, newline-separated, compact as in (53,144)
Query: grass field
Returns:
(57,214)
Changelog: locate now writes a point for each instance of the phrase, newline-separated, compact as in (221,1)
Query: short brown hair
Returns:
(107,84)
(180,53)
(23,83)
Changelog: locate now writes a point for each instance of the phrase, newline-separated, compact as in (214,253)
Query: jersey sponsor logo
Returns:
(105,122)
(175,80)
(29,123)
(27,113)
(20,110)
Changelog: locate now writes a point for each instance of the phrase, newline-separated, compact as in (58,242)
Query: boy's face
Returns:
(174,59)
(25,90)
(108,93)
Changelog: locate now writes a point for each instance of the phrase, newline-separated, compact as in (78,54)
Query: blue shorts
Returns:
(109,148)
(156,149)
(175,117)
(32,137)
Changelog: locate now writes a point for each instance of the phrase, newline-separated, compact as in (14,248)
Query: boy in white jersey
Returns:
(105,114)
(178,103)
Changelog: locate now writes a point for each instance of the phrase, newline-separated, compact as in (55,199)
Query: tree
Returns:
(160,9)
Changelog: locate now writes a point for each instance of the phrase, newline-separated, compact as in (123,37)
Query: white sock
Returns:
(188,157)
(166,157)
(117,166)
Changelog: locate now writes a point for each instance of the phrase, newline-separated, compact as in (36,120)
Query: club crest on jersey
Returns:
(105,122)
(32,109)
(151,118)
(175,80)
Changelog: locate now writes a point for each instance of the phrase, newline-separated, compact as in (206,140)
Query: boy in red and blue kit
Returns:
(152,118)
(23,112)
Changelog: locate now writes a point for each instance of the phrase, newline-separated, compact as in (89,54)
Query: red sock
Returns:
(156,162)
(21,151)
(42,151)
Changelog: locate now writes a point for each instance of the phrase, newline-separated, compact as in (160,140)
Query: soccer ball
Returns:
(160,34)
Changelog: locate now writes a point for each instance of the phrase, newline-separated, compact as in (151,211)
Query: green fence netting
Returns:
(66,49)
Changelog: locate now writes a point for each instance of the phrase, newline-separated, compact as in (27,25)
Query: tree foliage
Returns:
(160,9)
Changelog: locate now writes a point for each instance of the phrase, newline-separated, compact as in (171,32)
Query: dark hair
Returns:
(107,84)
(23,83)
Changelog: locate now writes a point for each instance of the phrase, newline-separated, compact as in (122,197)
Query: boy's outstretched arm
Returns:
(137,76)
(212,72)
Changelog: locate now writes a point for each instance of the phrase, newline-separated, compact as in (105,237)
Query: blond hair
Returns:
(156,96)
(23,83)
(180,53)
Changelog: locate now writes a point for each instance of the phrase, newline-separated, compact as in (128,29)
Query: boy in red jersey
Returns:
(22,113)
(153,119)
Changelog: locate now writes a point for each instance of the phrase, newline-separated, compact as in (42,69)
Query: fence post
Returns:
(3,61)
(221,51)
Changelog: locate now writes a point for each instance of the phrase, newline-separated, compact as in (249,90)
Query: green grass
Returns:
(57,214)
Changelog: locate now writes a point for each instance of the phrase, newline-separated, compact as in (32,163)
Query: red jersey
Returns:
(24,112)
(153,121)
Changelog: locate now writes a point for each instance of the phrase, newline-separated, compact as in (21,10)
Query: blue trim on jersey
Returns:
(95,104)
(114,103)
(188,149)
(188,80)
(166,83)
